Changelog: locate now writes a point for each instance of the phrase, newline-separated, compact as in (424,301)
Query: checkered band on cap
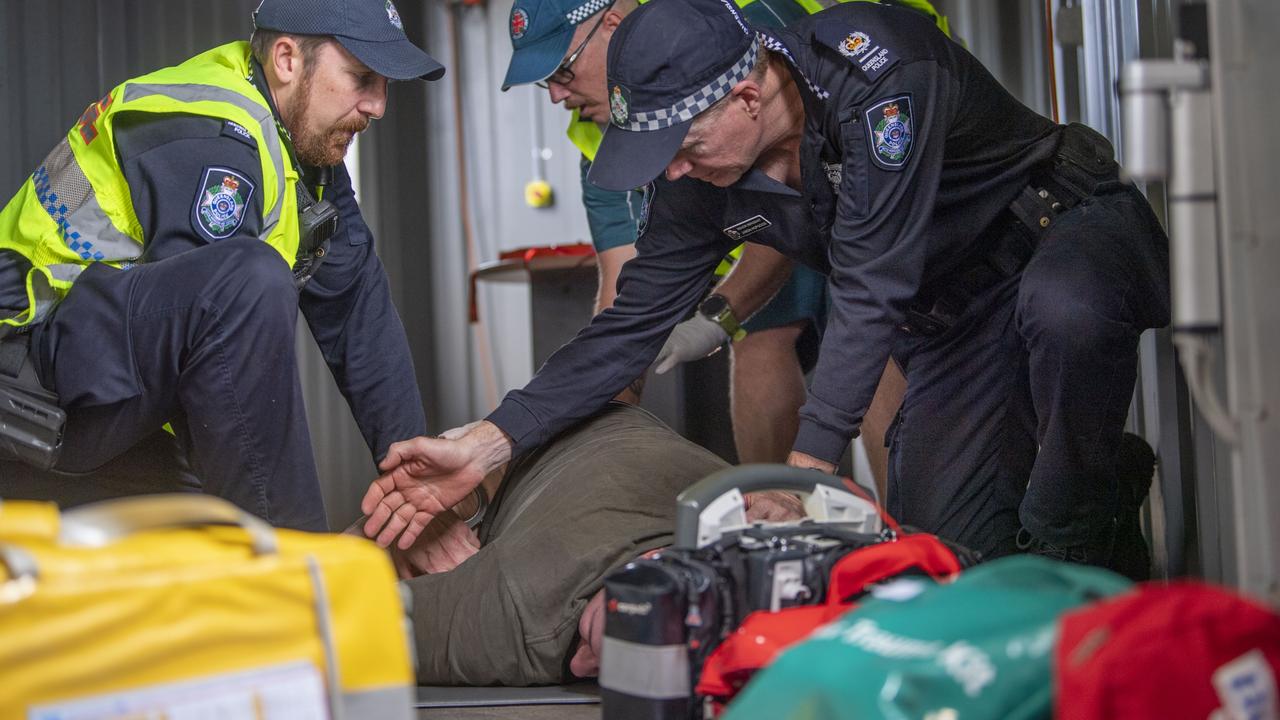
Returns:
(775,45)
(586,10)
(684,110)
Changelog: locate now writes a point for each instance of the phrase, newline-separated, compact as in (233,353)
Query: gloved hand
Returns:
(693,339)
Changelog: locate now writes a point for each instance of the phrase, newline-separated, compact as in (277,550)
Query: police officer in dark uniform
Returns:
(198,328)
(994,253)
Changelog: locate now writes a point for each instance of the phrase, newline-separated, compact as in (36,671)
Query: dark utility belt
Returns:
(1083,164)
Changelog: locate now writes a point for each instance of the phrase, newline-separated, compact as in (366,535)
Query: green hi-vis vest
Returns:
(76,209)
(586,135)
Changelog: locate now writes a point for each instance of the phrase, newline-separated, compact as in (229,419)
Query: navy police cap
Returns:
(668,61)
(369,29)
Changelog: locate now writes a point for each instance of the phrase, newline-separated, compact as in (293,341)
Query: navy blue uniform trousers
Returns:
(1033,381)
(205,340)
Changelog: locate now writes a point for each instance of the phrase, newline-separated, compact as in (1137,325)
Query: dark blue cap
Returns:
(369,29)
(541,31)
(668,61)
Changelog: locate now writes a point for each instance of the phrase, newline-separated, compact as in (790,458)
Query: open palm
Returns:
(421,479)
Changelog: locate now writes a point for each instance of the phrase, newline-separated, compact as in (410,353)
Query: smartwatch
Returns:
(716,308)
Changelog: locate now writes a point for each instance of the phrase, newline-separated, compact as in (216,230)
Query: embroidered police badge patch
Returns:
(872,58)
(619,105)
(221,202)
(519,23)
(394,16)
(889,132)
(855,44)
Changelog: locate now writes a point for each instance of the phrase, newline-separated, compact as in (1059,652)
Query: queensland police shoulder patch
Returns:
(221,202)
(889,131)
(863,49)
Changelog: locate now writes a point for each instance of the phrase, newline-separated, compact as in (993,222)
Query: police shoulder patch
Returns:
(221,201)
(860,47)
(889,131)
(235,130)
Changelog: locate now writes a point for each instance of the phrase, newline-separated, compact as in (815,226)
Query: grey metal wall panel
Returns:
(57,56)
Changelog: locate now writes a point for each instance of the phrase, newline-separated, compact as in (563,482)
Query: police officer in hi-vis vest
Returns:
(995,254)
(155,262)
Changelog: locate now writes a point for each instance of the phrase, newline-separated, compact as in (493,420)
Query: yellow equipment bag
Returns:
(184,606)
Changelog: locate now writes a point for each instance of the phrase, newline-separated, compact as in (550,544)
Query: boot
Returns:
(1135,468)
(1119,546)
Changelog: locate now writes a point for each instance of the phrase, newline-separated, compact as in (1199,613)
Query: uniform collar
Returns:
(757,181)
(259,79)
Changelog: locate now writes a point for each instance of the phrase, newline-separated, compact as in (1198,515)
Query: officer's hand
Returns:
(693,339)
(441,547)
(773,506)
(455,433)
(803,460)
(423,477)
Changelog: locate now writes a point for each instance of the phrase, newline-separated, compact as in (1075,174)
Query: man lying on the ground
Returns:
(512,609)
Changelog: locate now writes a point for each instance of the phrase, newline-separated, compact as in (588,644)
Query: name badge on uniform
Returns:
(751,225)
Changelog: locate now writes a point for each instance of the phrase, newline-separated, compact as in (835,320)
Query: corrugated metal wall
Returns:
(56,56)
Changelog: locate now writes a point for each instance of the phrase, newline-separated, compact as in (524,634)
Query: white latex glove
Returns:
(693,339)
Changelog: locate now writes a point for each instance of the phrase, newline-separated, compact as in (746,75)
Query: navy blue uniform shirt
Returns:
(347,303)
(910,151)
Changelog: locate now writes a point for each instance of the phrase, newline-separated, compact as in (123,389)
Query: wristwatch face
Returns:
(713,306)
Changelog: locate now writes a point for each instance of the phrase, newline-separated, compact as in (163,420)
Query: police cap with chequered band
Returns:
(668,61)
(371,30)
(541,31)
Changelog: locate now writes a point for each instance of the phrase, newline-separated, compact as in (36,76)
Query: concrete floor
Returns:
(517,712)
(504,703)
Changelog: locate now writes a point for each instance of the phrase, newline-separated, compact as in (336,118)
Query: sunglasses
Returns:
(564,73)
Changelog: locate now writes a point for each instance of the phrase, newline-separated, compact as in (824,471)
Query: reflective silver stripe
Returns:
(67,195)
(46,297)
(393,703)
(65,271)
(324,625)
(195,93)
(657,672)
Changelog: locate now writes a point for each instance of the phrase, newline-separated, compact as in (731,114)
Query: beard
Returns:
(322,148)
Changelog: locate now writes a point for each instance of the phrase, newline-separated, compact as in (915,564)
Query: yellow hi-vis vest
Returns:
(76,209)
(586,135)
